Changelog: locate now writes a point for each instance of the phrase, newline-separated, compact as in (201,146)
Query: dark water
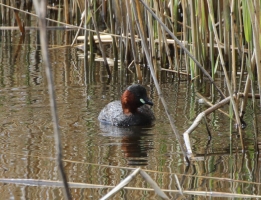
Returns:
(104,155)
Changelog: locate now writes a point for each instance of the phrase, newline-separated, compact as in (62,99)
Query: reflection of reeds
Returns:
(138,174)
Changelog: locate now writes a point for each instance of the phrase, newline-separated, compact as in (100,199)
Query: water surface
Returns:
(104,155)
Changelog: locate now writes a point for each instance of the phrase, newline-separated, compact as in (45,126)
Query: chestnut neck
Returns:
(128,103)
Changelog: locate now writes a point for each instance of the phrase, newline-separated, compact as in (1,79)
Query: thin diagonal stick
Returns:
(40,7)
(145,48)
(183,47)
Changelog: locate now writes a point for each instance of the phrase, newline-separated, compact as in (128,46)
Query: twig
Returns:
(210,104)
(77,33)
(121,184)
(35,28)
(153,184)
(198,119)
(40,7)
(178,183)
(49,183)
(175,71)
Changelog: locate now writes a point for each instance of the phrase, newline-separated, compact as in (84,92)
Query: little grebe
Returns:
(131,110)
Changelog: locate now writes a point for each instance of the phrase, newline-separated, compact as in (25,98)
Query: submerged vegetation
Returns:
(193,39)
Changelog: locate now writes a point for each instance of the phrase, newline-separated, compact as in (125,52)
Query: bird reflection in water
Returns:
(135,142)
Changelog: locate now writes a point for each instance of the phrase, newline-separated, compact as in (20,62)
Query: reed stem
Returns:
(40,7)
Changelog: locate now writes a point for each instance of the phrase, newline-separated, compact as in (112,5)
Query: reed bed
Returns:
(193,39)
(199,38)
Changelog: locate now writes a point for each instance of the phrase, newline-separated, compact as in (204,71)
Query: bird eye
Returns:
(142,101)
